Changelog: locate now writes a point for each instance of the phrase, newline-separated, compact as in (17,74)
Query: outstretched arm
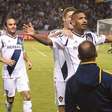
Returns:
(42,38)
(108,39)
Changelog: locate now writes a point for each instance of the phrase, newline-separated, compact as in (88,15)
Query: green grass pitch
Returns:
(41,77)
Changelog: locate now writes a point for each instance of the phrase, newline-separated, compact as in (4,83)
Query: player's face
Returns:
(67,19)
(11,26)
(79,21)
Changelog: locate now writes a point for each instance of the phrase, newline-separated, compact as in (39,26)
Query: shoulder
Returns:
(3,36)
(57,36)
(90,33)
(107,76)
(54,31)
(2,32)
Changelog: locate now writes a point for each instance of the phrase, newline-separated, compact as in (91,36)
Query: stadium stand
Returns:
(46,14)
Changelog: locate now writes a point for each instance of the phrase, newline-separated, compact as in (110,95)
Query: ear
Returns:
(63,19)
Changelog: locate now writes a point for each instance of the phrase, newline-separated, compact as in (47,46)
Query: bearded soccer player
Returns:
(14,71)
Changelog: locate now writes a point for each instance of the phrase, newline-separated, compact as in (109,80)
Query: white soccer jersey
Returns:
(2,32)
(70,48)
(60,66)
(12,48)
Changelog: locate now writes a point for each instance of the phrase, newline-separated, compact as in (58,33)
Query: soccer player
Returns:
(90,89)
(60,68)
(15,76)
(80,33)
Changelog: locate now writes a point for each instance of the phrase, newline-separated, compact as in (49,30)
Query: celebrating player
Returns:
(60,68)
(14,70)
(80,34)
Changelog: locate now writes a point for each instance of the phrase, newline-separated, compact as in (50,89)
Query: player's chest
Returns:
(74,43)
(11,43)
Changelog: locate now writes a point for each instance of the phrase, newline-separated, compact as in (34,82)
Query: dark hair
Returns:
(77,12)
(66,10)
(7,18)
(87,51)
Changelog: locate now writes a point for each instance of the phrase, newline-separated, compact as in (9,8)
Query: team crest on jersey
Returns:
(60,98)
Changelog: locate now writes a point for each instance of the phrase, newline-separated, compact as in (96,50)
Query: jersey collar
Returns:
(90,62)
(11,35)
(79,35)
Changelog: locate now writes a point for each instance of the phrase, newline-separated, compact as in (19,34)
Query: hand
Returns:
(9,62)
(29,65)
(109,38)
(28,29)
(67,33)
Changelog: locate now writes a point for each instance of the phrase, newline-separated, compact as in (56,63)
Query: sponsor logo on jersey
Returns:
(14,47)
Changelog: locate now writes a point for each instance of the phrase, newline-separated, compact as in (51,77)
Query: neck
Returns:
(65,28)
(80,32)
(12,35)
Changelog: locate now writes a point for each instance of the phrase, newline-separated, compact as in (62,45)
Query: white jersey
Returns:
(70,48)
(60,66)
(2,32)
(12,48)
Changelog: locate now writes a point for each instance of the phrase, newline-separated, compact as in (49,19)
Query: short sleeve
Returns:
(59,40)
(95,38)
(100,39)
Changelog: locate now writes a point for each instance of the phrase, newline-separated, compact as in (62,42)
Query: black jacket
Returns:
(83,90)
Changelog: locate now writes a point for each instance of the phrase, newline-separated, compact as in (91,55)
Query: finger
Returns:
(25,25)
(30,67)
(25,30)
(30,24)
(13,62)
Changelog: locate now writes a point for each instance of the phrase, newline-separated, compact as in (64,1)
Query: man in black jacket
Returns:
(90,89)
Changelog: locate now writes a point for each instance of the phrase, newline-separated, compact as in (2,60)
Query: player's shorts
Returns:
(60,92)
(17,83)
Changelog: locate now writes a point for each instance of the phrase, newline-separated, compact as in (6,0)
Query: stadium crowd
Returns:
(46,14)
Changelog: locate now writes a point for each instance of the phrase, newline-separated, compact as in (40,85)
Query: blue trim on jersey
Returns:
(15,57)
(2,43)
(66,42)
(19,40)
(64,70)
(89,37)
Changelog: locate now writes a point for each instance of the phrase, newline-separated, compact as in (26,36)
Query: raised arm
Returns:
(108,39)
(42,38)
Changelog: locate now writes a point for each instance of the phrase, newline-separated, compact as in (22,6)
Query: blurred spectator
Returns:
(46,14)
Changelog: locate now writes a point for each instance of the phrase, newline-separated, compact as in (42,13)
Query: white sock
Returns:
(27,106)
(8,106)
